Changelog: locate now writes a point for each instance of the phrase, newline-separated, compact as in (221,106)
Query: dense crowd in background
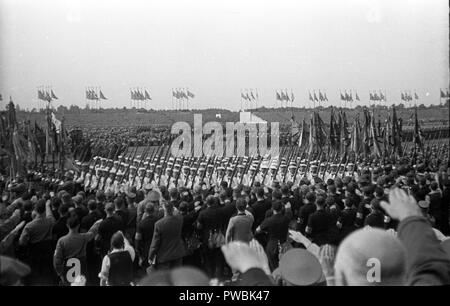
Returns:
(310,231)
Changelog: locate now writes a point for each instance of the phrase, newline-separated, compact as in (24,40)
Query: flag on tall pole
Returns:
(53,96)
(147,95)
(102,96)
(277,96)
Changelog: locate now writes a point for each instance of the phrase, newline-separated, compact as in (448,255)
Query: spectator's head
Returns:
(139,196)
(117,241)
(66,198)
(348,203)
(375,205)
(149,208)
(223,196)
(77,200)
(370,257)
(241,205)
(73,223)
(259,193)
(92,205)
(320,202)
(183,208)
(223,185)
(64,210)
(310,197)
(154,197)
(168,208)
(331,189)
(434,186)
(285,190)
(276,195)
(40,207)
(379,192)
(100,195)
(109,208)
(210,200)
(277,206)
(368,191)
(174,194)
(119,203)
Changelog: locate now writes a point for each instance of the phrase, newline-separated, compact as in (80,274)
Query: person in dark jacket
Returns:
(93,215)
(260,207)
(210,223)
(167,249)
(276,227)
(307,209)
(376,216)
(144,234)
(107,228)
(436,206)
(320,224)
(346,221)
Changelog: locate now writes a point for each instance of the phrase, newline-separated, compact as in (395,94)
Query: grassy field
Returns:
(123,118)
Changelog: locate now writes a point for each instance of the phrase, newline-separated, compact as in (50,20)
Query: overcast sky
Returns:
(216,48)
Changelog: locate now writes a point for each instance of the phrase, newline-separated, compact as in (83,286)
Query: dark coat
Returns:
(167,244)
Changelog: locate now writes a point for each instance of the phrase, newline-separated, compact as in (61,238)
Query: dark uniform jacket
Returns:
(167,244)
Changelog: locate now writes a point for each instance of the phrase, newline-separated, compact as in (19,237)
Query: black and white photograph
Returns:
(222,144)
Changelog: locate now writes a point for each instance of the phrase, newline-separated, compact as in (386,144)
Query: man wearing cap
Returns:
(210,177)
(302,169)
(110,180)
(102,179)
(199,178)
(68,184)
(272,176)
(251,175)
(131,177)
(95,179)
(138,180)
(331,173)
(158,177)
(175,181)
(240,176)
(146,182)
(189,183)
(299,267)
(350,171)
(228,175)
(291,176)
(117,185)
(313,173)
(184,177)
(84,171)
(219,176)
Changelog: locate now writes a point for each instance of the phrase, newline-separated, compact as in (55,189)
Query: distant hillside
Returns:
(125,117)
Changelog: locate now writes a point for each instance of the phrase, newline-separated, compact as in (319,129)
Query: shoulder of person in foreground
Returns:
(427,262)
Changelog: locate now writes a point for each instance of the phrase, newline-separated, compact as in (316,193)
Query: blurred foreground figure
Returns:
(374,257)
